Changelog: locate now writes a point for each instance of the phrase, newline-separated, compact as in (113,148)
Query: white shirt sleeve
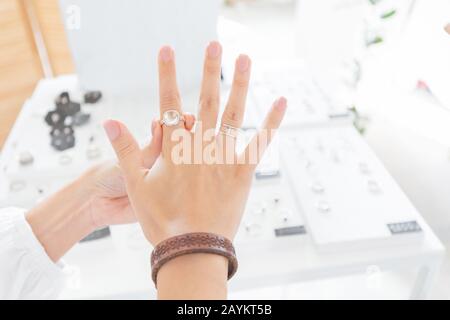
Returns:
(26,271)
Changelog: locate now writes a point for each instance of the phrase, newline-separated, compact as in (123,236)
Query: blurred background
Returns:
(386,61)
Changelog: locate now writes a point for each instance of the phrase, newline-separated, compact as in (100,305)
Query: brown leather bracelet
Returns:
(198,242)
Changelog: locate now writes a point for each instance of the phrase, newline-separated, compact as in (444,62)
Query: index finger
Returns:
(169,96)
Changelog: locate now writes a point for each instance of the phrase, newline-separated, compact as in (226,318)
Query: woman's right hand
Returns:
(205,193)
(202,195)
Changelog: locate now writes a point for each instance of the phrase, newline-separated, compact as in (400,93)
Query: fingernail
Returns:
(281,104)
(214,49)
(447,28)
(166,53)
(243,63)
(112,129)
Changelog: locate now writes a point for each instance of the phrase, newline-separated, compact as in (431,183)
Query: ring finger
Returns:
(235,107)
(233,114)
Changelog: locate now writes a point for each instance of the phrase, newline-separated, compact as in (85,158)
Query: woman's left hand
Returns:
(96,199)
(109,204)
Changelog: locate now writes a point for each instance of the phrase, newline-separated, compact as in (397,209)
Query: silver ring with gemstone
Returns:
(171,118)
(230,131)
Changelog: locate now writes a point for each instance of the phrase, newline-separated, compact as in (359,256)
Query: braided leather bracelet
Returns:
(198,242)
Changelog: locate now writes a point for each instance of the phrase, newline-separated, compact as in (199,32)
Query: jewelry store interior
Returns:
(352,199)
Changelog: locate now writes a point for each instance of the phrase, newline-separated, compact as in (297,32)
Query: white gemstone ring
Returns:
(171,118)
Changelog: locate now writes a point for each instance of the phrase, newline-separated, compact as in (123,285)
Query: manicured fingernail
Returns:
(112,129)
(281,104)
(447,28)
(243,63)
(214,49)
(166,53)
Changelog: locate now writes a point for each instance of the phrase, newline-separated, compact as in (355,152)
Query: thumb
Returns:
(152,151)
(126,148)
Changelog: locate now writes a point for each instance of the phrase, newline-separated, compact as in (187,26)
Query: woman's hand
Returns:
(199,184)
(109,203)
(209,190)
(96,199)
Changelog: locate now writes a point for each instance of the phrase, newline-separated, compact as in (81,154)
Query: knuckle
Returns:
(209,102)
(212,69)
(125,149)
(170,98)
(240,83)
(244,173)
(231,114)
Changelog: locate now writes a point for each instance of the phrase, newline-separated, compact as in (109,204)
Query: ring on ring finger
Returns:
(229,130)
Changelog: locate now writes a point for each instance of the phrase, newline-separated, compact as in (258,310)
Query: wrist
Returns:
(87,182)
(194,276)
(157,232)
(63,219)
